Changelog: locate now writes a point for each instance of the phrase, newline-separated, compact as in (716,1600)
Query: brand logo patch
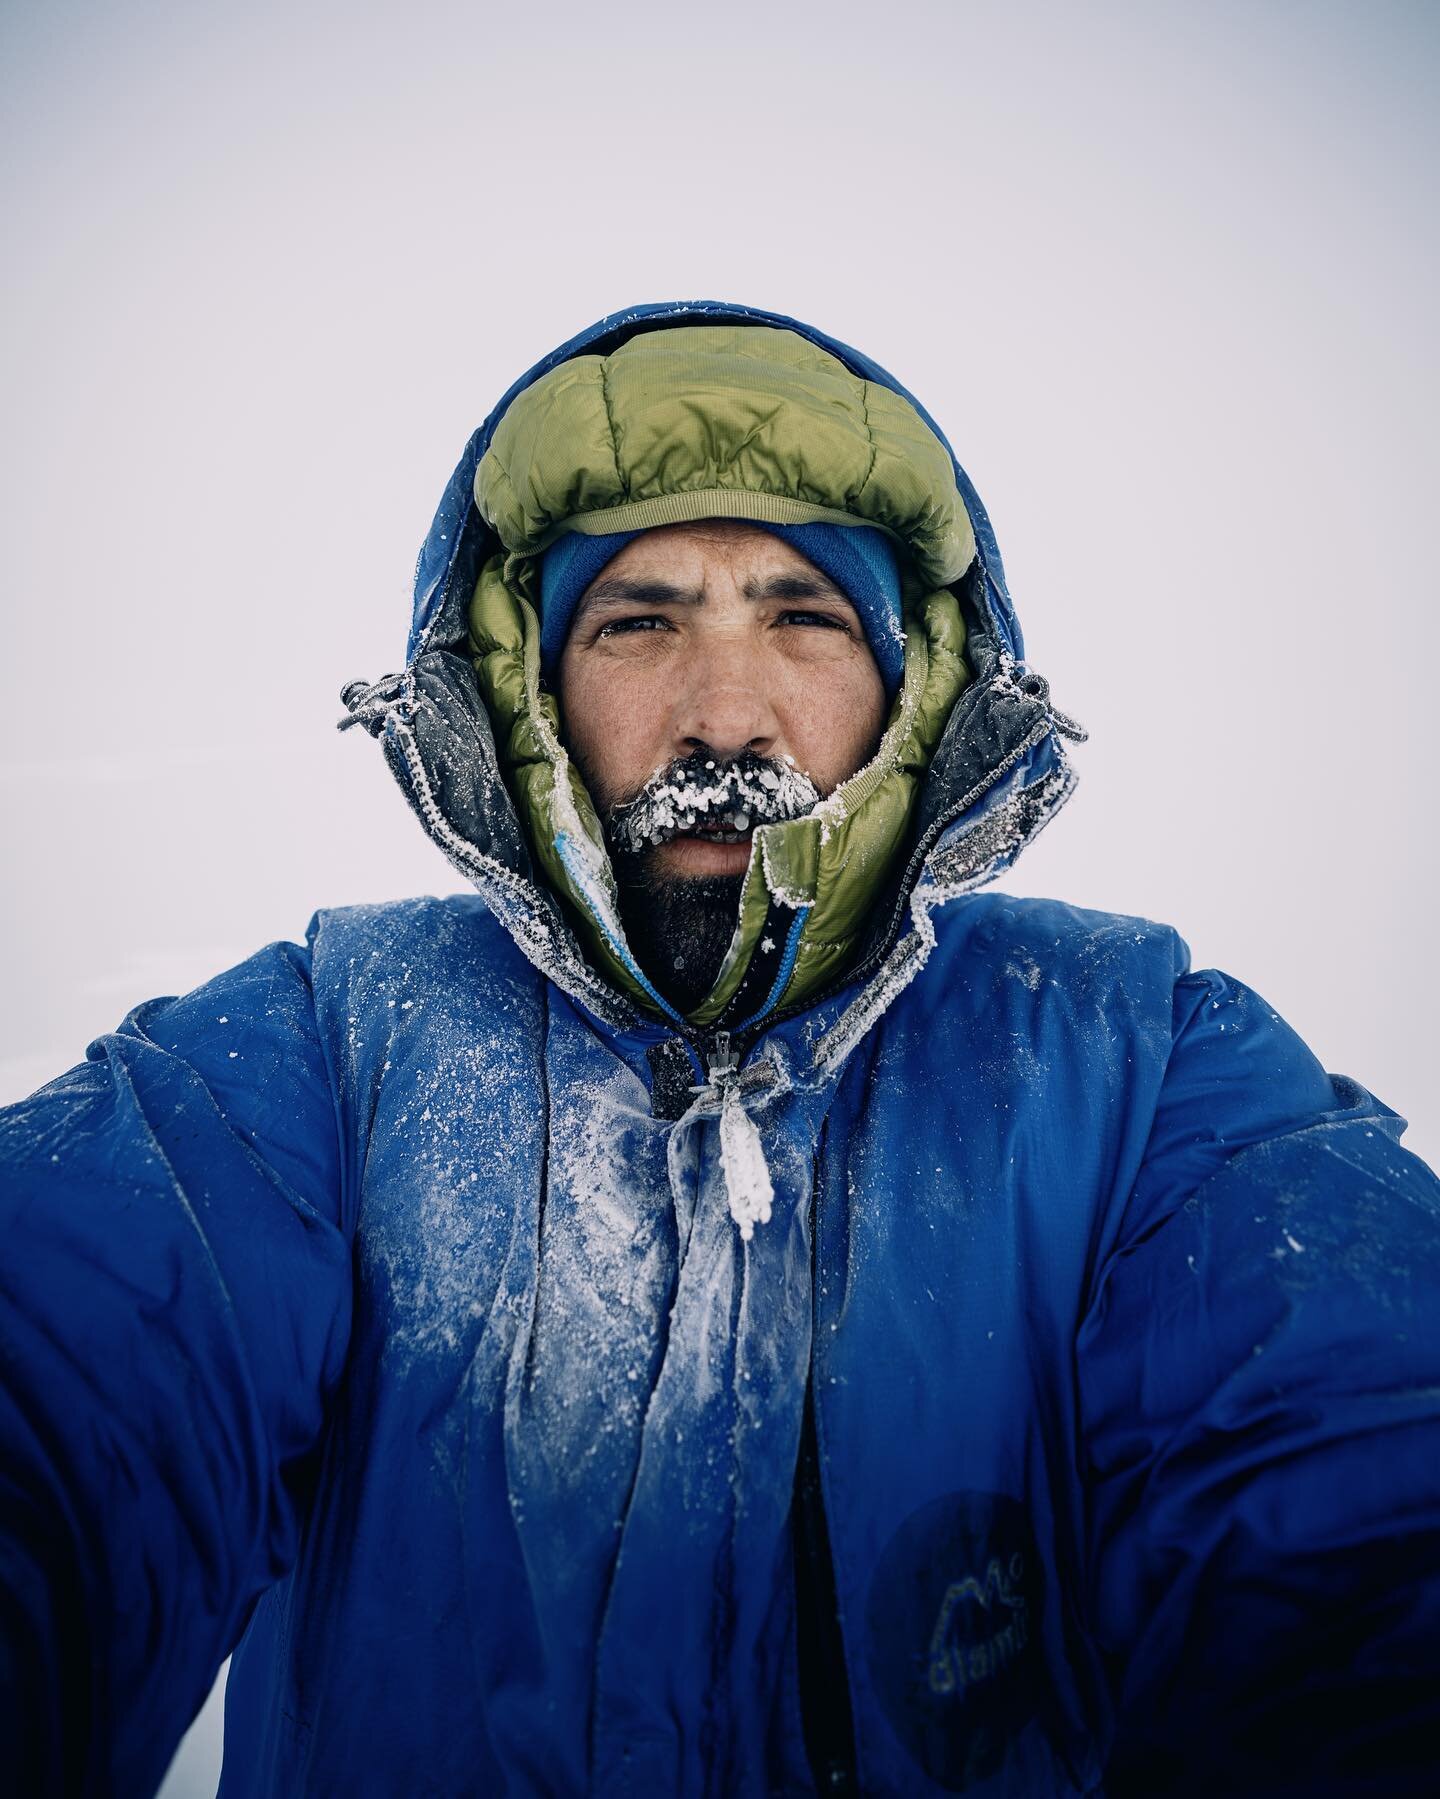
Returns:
(951,1625)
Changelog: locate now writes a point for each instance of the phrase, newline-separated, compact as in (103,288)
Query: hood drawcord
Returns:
(370,703)
(748,1187)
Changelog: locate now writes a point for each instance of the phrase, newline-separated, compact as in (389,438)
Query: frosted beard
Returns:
(678,926)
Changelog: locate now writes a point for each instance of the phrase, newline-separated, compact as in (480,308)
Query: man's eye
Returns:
(825,619)
(618,627)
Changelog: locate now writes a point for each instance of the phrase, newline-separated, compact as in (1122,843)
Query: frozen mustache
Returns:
(700,793)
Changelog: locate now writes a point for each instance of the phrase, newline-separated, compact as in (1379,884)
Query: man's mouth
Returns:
(730,827)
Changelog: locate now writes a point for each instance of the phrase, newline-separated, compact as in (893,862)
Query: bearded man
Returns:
(729,1307)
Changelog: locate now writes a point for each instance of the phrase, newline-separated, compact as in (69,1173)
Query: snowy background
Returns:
(1165,272)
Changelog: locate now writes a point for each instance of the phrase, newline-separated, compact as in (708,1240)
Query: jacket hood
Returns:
(459,540)
(602,435)
(732,421)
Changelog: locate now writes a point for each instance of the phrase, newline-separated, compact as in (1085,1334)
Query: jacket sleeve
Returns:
(174,1309)
(1259,1377)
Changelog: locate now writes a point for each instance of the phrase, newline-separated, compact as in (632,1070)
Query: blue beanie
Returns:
(861,561)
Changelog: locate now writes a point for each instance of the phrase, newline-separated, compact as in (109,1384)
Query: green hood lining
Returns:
(745,422)
(739,421)
(832,863)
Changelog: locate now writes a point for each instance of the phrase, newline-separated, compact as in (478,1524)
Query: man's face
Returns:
(715,641)
(713,680)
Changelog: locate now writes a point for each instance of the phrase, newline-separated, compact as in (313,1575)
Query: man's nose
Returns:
(725,706)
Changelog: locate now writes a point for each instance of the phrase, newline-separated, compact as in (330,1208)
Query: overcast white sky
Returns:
(1166,274)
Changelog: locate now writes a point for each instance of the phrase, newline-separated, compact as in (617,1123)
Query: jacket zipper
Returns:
(827,1718)
(826,1715)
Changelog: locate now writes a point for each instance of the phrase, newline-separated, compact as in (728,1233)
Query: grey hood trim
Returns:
(440,746)
(439,742)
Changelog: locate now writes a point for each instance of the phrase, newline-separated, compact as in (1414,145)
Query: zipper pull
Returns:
(748,1189)
(723,1062)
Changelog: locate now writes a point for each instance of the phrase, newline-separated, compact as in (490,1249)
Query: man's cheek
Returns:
(613,763)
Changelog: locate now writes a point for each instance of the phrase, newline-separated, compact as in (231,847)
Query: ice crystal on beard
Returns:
(735,796)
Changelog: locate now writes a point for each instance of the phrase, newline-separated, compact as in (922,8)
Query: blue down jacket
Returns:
(1072,1425)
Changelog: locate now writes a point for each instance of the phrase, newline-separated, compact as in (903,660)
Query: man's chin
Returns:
(679,916)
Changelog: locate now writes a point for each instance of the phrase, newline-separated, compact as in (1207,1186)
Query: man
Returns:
(731,1309)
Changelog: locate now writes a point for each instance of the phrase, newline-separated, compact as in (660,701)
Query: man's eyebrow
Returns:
(616,590)
(795,586)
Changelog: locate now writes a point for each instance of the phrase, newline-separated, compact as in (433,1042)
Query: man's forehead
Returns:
(677,562)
